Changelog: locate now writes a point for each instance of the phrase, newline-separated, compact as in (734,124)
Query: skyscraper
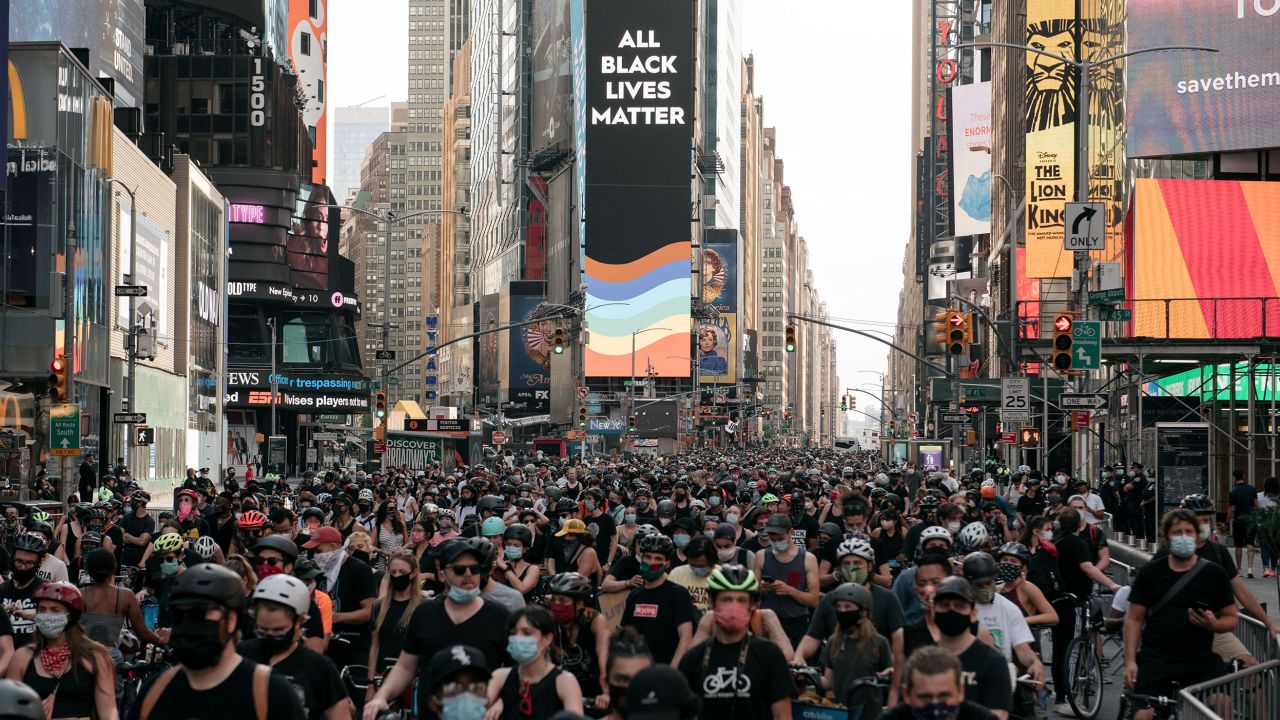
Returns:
(354,129)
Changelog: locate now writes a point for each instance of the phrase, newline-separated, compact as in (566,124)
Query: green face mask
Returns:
(855,575)
(985,594)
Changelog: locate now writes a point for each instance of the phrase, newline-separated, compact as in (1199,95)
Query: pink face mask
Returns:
(733,618)
(184,509)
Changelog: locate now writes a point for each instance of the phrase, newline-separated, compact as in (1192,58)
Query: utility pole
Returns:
(275,388)
(131,341)
(69,335)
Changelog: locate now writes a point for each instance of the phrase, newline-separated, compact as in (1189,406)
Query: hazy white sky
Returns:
(835,76)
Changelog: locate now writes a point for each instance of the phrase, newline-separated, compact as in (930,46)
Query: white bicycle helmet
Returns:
(366,494)
(974,535)
(205,547)
(936,532)
(284,589)
(447,513)
(856,546)
(882,479)
(988,483)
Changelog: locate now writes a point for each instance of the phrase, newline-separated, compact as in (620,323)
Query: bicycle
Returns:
(1166,707)
(353,687)
(132,675)
(1084,667)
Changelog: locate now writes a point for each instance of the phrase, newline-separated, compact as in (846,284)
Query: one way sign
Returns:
(1084,226)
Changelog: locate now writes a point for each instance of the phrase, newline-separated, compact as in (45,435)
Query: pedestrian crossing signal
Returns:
(1029,437)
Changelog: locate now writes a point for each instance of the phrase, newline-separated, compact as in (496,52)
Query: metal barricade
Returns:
(1123,574)
(1262,645)
(1252,694)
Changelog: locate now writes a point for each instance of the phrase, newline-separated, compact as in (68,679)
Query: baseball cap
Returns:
(724,531)
(957,586)
(572,526)
(660,692)
(778,521)
(324,534)
(452,660)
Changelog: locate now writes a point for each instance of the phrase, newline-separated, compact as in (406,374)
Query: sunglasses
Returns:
(461,570)
(272,561)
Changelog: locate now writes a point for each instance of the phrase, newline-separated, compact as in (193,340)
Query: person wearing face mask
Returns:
(536,687)
(461,615)
(275,555)
(595,513)
(949,622)
(627,526)
(855,650)
(191,525)
(458,684)
(760,686)
(728,552)
(349,582)
(16,594)
(446,528)
(700,558)
(628,656)
(364,510)
(279,606)
(789,576)
(1135,487)
(138,527)
(73,675)
(107,606)
(933,689)
(661,611)
(1176,604)
(1002,618)
(512,566)
(212,681)
(582,634)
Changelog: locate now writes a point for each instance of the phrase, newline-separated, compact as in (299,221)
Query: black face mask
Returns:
(848,619)
(400,582)
(618,698)
(24,575)
(951,623)
(361,555)
(275,644)
(197,644)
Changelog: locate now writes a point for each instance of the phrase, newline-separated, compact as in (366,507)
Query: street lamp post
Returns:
(131,342)
(631,403)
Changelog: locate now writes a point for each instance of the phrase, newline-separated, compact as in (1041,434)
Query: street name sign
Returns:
(127,418)
(131,291)
(1084,226)
(1106,297)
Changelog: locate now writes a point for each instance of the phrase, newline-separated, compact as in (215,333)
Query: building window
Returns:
(306,43)
(312,10)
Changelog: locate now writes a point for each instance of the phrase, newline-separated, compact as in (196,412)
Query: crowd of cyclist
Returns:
(674,587)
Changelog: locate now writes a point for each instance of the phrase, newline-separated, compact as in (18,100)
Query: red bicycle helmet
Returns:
(251,520)
(63,592)
(188,492)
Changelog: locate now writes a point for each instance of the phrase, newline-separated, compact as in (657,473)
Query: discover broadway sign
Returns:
(415,451)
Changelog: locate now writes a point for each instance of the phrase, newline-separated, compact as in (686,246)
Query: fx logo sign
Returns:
(144,436)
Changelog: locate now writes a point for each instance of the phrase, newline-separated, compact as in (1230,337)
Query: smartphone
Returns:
(766,578)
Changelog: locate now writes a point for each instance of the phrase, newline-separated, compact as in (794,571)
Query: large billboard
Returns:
(639,128)
(113,30)
(1196,245)
(308,38)
(152,311)
(718,341)
(529,359)
(552,74)
(1050,93)
(1186,102)
(971,158)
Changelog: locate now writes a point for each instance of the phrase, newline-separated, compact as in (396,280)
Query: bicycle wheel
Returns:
(1085,678)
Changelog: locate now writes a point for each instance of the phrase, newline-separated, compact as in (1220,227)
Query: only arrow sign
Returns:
(1084,217)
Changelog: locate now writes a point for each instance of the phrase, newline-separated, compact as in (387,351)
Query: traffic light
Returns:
(631,423)
(956,332)
(791,338)
(1062,342)
(844,403)
(557,341)
(380,404)
(941,329)
(853,402)
(1029,437)
(58,380)
(582,416)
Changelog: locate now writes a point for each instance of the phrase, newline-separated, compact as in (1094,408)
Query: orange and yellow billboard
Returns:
(1204,255)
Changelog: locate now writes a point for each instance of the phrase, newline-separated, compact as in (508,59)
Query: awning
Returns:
(410,409)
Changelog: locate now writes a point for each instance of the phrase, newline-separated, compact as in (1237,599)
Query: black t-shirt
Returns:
(968,711)
(233,698)
(137,527)
(431,630)
(986,677)
(1170,643)
(803,530)
(355,585)
(390,634)
(603,527)
(1031,506)
(624,568)
(226,532)
(657,613)
(733,689)
(314,679)
(1242,497)
(886,614)
(1072,551)
(20,628)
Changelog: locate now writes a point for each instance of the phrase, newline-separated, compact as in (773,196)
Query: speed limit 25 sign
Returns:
(1015,405)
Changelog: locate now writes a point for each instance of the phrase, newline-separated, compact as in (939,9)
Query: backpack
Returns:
(1043,573)
(261,676)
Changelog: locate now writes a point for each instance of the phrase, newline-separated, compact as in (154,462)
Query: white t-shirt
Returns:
(52,569)
(1120,601)
(1093,502)
(1005,623)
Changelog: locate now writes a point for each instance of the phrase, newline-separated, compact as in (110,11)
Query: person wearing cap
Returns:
(660,692)
(457,683)
(788,577)
(211,680)
(349,583)
(949,617)
(575,551)
(459,616)
(603,526)
(660,610)
(1001,617)
(280,606)
(1134,488)
(933,687)
(737,674)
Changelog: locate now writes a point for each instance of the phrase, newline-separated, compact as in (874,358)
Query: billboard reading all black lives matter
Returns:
(639,69)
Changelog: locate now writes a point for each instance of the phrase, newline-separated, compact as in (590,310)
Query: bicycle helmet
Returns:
(207,583)
(571,584)
(284,589)
(62,592)
(40,516)
(973,536)
(1016,549)
(519,532)
(491,504)
(565,505)
(251,520)
(281,544)
(168,542)
(732,578)
(313,512)
(446,513)
(31,542)
(449,551)
(91,538)
(492,527)
(19,702)
(324,499)
(204,547)
(929,502)
(856,546)
(667,507)
(979,567)
(646,529)
(1198,503)
(366,494)
(188,493)
(656,543)
(854,593)
(765,499)
(935,532)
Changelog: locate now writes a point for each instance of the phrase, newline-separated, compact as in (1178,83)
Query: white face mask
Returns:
(727,555)
(1205,530)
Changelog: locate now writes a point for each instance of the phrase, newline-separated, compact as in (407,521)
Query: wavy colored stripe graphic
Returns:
(621,344)
(666,355)
(657,316)
(635,304)
(596,270)
(678,271)
(1161,271)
